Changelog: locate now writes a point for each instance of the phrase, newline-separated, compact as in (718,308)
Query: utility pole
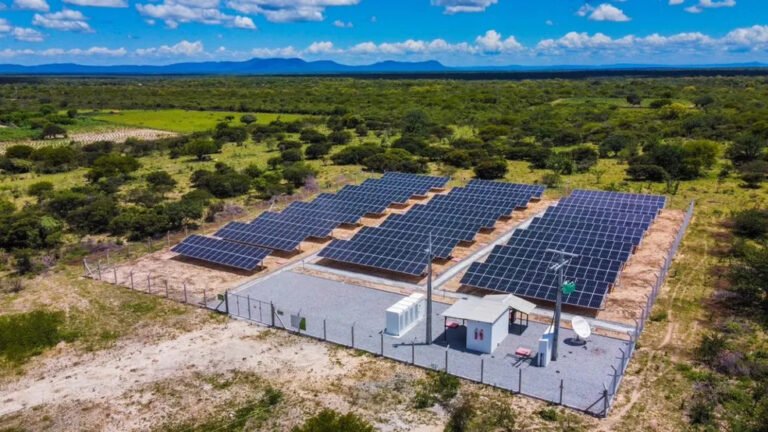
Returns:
(564,258)
(429,291)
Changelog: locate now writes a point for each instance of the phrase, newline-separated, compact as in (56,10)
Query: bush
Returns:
(752,223)
(354,155)
(19,151)
(710,347)
(458,158)
(291,155)
(331,421)
(551,180)
(491,169)
(395,160)
(27,334)
(647,173)
(298,173)
(317,151)
(438,387)
(40,189)
(201,148)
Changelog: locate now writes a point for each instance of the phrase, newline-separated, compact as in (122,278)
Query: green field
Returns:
(182,121)
(617,102)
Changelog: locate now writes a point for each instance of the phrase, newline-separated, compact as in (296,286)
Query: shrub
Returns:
(647,173)
(752,223)
(354,155)
(551,180)
(395,160)
(40,189)
(329,420)
(710,347)
(298,173)
(491,169)
(317,151)
(19,151)
(437,387)
(27,334)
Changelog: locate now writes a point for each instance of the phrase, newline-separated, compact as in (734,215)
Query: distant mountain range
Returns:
(295,66)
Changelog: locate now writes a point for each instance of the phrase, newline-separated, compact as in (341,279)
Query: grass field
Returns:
(618,102)
(180,120)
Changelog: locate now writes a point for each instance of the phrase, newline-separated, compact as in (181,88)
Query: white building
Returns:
(405,314)
(487,319)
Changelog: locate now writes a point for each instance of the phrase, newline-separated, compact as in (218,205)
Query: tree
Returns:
(247,119)
(491,169)
(340,137)
(584,157)
(317,151)
(201,148)
(291,155)
(331,421)
(416,122)
(614,143)
(551,180)
(298,173)
(112,165)
(40,189)
(52,131)
(395,160)
(746,148)
(458,158)
(560,163)
(19,151)
(313,136)
(634,100)
(353,155)
(703,101)
(160,181)
(752,223)
(753,173)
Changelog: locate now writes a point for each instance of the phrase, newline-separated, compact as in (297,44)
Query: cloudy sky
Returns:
(455,32)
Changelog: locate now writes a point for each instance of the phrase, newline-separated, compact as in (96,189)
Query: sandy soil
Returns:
(119,135)
(628,298)
(140,385)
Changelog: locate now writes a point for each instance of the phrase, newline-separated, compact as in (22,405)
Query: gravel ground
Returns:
(331,308)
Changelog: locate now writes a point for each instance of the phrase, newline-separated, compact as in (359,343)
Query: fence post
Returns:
(561,391)
(166,288)
(381,333)
(114,271)
(482,370)
(605,402)
(205,299)
(149,283)
(446,360)
(325,334)
(226,302)
(131,276)
(520,381)
(261,315)
(98,268)
(353,335)
(413,353)
(185,291)
(272,313)
(249,307)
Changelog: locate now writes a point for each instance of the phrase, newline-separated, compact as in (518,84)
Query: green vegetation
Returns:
(437,387)
(28,334)
(184,121)
(331,421)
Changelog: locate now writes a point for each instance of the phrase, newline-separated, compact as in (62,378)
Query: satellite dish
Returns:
(581,327)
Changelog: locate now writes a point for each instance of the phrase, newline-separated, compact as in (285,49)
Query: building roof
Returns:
(487,309)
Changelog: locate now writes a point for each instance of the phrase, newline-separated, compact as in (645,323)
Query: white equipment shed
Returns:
(486,319)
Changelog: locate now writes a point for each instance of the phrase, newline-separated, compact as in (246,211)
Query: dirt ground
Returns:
(119,135)
(140,386)
(628,298)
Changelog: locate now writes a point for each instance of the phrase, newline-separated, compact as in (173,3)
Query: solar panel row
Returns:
(222,252)
(448,219)
(287,230)
(602,228)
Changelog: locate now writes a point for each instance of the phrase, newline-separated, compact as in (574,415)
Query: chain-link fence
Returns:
(620,369)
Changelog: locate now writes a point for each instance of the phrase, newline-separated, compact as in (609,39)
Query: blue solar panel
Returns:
(221,252)
(285,240)
(408,262)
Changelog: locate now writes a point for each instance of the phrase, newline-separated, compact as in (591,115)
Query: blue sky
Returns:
(455,32)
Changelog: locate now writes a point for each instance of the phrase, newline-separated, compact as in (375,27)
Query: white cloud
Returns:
(342,24)
(183,48)
(275,52)
(36,5)
(66,20)
(607,12)
(244,23)
(173,12)
(676,2)
(26,34)
(549,22)
(282,11)
(99,3)
(709,4)
(491,42)
(320,48)
(463,6)
(5,26)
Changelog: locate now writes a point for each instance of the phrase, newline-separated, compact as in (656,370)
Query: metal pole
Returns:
(166,288)
(413,352)
(249,307)
(558,308)
(185,291)
(272,314)
(353,335)
(561,392)
(149,283)
(114,270)
(429,291)
(131,276)
(446,361)
(482,370)
(381,333)
(226,302)
(520,381)
(325,334)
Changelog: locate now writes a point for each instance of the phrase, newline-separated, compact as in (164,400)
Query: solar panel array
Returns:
(222,252)
(602,228)
(300,221)
(400,244)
